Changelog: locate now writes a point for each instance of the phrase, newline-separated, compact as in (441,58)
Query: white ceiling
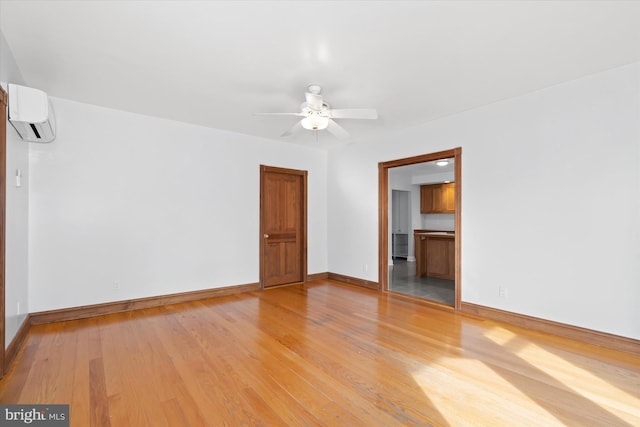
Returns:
(420,172)
(215,63)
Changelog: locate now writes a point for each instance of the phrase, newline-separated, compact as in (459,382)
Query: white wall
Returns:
(550,200)
(157,206)
(438,221)
(17,199)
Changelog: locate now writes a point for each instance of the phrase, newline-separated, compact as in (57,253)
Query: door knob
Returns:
(266,236)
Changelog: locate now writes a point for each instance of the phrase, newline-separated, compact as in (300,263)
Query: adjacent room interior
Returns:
(422,224)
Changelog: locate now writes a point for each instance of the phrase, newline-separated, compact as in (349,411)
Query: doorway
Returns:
(449,241)
(283,226)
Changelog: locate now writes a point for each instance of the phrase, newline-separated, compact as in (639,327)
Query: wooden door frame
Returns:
(3,223)
(303,238)
(383,214)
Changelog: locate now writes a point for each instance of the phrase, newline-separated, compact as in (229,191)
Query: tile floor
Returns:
(402,279)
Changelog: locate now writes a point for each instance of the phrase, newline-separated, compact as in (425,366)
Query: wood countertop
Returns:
(445,234)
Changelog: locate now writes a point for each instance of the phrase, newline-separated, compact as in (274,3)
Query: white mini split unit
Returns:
(31,115)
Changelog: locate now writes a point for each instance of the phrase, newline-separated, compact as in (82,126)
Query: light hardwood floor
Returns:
(318,354)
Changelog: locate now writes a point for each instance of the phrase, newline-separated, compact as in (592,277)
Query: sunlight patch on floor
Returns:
(499,335)
(462,402)
(583,382)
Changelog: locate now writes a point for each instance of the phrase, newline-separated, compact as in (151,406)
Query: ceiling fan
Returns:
(318,115)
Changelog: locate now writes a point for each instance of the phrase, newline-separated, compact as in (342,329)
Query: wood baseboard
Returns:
(577,333)
(354,281)
(16,343)
(317,276)
(136,304)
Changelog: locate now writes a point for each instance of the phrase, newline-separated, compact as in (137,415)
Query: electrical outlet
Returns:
(116,285)
(502,291)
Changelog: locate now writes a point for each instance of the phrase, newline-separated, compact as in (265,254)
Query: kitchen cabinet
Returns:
(438,198)
(435,255)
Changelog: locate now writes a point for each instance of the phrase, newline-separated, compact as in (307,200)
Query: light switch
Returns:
(18,178)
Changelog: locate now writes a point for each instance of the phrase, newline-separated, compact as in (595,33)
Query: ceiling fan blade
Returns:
(297,127)
(337,130)
(278,114)
(313,101)
(354,113)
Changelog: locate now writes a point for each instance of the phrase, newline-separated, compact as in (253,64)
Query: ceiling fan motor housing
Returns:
(315,89)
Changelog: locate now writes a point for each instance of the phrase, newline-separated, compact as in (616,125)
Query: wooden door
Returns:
(283,228)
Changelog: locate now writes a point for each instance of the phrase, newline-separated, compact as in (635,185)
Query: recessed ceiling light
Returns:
(442,162)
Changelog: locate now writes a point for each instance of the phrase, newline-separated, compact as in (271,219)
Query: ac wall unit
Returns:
(30,114)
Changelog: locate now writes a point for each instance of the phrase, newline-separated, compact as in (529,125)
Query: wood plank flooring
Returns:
(323,353)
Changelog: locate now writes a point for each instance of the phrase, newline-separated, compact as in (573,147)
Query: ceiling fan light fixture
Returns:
(318,115)
(315,122)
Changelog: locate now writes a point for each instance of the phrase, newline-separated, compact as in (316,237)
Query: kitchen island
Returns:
(435,254)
